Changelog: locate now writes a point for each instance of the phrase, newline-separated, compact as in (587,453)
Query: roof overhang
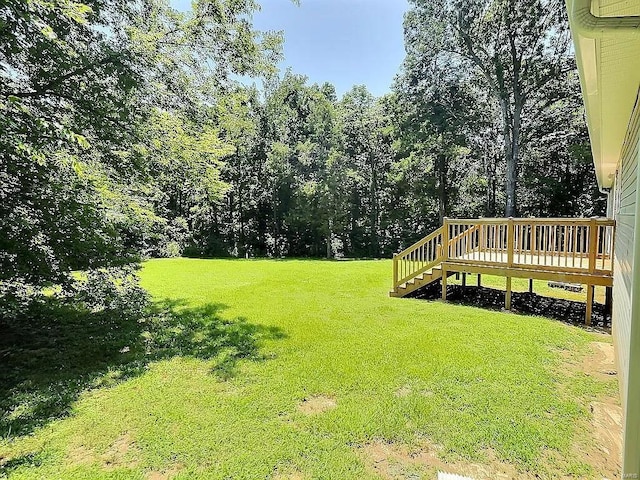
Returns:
(606,35)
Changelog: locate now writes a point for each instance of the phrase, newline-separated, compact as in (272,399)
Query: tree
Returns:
(439,110)
(557,175)
(367,145)
(517,47)
(78,82)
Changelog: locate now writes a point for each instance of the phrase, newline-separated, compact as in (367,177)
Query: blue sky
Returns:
(345,42)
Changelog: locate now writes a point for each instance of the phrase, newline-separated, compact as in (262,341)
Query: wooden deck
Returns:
(572,250)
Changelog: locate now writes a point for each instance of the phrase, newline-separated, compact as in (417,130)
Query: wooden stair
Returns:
(422,280)
(418,265)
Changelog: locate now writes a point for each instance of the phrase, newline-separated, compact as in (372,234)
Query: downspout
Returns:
(588,25)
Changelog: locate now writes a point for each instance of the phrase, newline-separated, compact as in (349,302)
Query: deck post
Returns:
(445,239)
(608,300)
(510,241)
(593,244)
(479,280)
(531,285)
(534,240)
(395,270)
(464,280)
(587,319)
(444,283)
(507,295)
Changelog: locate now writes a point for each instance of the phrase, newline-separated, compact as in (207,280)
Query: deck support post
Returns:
(608,300)
(510,241)
(464,280)
(587,319)
(444,283)
(395,271)
(593,244)
(507,295)
(531,285)
(445,239)
(479,280)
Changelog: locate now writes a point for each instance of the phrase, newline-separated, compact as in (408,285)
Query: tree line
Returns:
(125,133)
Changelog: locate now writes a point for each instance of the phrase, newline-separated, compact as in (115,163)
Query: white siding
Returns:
(624,206)
(625,202)
(618,8)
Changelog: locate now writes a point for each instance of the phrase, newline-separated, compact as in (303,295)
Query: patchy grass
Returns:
(220,388)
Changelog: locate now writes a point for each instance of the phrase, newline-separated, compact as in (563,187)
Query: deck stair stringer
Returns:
(421,280)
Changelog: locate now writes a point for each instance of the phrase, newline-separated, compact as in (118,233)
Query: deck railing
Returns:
(556,244)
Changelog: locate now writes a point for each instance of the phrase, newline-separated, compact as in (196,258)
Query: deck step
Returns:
(421,280)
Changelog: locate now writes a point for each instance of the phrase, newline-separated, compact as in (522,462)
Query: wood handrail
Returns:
(467,232)
(420,242)
(537,221)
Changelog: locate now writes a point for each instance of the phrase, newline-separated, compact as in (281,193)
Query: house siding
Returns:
(625,204)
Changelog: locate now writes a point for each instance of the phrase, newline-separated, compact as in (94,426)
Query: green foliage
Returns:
(93,98)
(125,134)
(489,96)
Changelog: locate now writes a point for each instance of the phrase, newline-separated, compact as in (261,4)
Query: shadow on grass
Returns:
(54,352)
(526,303)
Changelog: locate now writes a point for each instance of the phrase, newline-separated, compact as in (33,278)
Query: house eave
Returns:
(609,66)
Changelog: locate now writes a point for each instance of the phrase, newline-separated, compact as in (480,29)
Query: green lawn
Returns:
(254,339)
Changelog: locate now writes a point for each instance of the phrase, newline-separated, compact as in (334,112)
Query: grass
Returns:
(248,341)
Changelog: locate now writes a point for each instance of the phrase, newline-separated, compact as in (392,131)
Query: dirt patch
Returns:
(399,462)
(602,447)
(82,455)
(606,453)
(403,391)
(317,404)
(118,453)
(122,453)
(601,363)
(166,474)
(295,475)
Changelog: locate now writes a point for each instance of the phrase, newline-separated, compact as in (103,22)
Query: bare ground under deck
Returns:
(568,311)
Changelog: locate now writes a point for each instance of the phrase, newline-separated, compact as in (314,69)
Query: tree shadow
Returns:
(567,311)
(53,351)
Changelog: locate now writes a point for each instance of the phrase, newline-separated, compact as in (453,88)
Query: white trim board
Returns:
(450,476)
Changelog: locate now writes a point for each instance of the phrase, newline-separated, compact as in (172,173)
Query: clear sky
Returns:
(345,42)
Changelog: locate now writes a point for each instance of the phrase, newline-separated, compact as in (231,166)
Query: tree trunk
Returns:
(374,210)
(512,163)
(276,229)
(510,134)
(441,165)
(490,172)
(243,238)
(329,230)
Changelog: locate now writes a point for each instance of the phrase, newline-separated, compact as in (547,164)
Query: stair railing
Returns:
(418,258)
